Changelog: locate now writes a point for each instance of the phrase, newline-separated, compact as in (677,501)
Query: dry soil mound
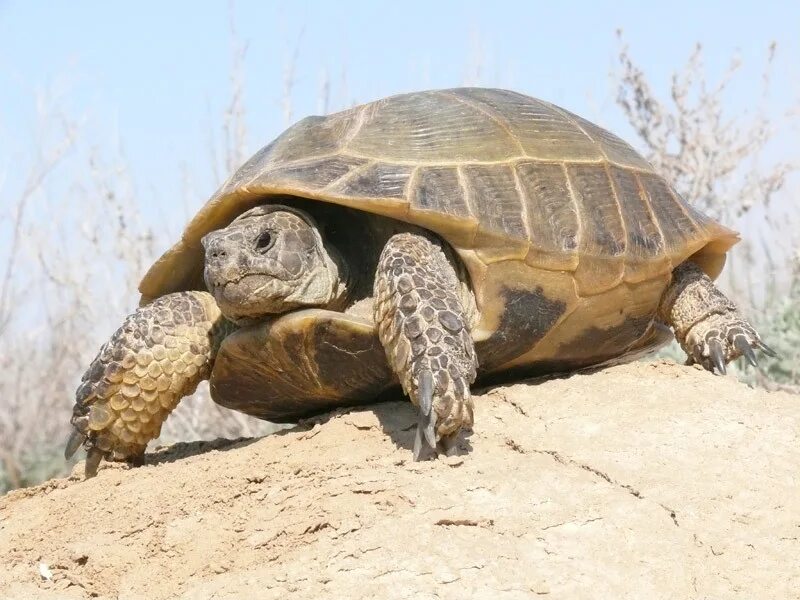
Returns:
(640,481)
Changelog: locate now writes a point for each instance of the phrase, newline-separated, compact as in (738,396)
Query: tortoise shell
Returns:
(568,234)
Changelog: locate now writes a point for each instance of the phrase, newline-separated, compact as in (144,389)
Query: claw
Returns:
(766,349)
(425,392)
(425,441)
(743,346)
(717,356)
(74,441)
(93,458)
(423,448)
(430,430)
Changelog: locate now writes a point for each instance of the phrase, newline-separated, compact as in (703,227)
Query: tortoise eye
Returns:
(264,242)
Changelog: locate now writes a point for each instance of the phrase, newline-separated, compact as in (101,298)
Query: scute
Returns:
(429,127)
(613,148)
(539,129)
(312,136)
(552,215)
(499,208)
(317,172)
(439,189)
(377,180)
(678,228)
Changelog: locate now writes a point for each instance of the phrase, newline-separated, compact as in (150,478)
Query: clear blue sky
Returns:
(155,75)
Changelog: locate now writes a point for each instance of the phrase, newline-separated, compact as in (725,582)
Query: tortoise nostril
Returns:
(217,252)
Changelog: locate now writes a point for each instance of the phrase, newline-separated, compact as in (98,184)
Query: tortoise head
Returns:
(270,260)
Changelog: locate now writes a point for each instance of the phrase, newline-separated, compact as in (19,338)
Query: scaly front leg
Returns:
(158,356)
(425,329)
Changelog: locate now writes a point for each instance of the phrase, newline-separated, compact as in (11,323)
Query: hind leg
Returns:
(707,325)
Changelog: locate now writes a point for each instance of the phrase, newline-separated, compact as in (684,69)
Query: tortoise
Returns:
(429,239)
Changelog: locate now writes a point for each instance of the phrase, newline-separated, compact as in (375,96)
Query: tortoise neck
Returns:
(345,288)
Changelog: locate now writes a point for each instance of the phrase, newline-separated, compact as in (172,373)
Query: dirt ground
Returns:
(646,480)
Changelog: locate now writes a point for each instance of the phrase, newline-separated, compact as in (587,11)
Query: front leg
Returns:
(158,356)
(424,326)
(707,325)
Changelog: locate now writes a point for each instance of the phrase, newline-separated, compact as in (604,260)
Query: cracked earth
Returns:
(647,480)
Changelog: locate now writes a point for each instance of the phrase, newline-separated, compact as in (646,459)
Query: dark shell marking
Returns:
(528,316)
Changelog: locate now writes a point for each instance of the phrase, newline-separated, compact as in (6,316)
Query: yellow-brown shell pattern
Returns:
(496,173)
